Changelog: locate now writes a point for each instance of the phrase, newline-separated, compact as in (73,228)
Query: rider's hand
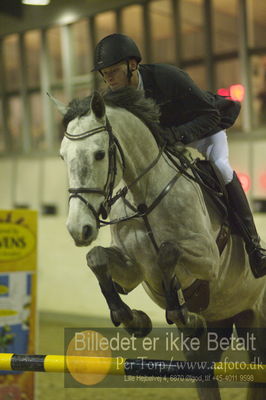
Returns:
(172,136)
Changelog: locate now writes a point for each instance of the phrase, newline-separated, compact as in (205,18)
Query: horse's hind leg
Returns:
(108,264)
(254,336)
(208,388)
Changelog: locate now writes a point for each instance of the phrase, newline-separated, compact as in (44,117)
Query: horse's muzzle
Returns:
(83,235)
(87,232)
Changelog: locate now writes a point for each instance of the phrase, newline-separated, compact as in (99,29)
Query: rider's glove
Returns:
(172,136)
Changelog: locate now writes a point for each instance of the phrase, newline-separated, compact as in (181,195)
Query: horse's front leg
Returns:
(176,308)
(112,267)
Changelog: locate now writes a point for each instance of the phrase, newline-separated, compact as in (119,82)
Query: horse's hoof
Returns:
(177,316)
(119,288)
(123,315)
(140,326)
(196,324)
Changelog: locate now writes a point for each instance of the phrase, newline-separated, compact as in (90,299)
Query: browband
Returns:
(86,134)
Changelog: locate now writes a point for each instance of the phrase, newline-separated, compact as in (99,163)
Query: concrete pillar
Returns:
(24,96)
(245,69)
(177,31)
(147,33)
(48,118)
(68,60)
(4,105)
(208,44)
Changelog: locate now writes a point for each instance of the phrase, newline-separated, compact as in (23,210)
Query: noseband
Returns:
(107,192)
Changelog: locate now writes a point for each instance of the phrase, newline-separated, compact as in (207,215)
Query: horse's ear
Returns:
(97,105)
(62,108)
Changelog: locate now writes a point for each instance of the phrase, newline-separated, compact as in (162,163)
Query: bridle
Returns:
(107,191)
(142,210)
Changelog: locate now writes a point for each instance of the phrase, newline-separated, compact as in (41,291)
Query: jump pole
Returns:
(133,367)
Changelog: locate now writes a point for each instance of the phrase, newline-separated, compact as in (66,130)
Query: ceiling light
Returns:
(36,2)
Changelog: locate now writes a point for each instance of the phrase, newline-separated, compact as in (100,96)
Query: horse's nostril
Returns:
(86,232)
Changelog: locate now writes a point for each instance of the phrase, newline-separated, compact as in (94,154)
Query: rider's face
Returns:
(116,76)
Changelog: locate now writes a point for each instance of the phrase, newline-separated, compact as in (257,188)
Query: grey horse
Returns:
(163,234)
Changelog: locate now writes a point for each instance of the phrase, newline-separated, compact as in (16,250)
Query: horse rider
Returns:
(189,115)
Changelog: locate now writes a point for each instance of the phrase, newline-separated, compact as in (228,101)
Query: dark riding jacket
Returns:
(190,112)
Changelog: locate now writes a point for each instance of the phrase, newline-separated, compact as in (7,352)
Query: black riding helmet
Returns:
(115,48)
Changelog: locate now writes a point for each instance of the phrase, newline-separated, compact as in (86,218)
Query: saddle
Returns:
(215,193)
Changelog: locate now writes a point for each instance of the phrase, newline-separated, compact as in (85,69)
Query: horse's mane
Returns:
(129,98)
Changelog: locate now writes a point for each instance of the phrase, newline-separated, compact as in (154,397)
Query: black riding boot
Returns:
(244,221)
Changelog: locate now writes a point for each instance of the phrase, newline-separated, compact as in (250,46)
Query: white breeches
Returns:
(215,149)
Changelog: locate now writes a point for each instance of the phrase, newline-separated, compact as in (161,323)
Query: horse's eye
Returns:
(99,155)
